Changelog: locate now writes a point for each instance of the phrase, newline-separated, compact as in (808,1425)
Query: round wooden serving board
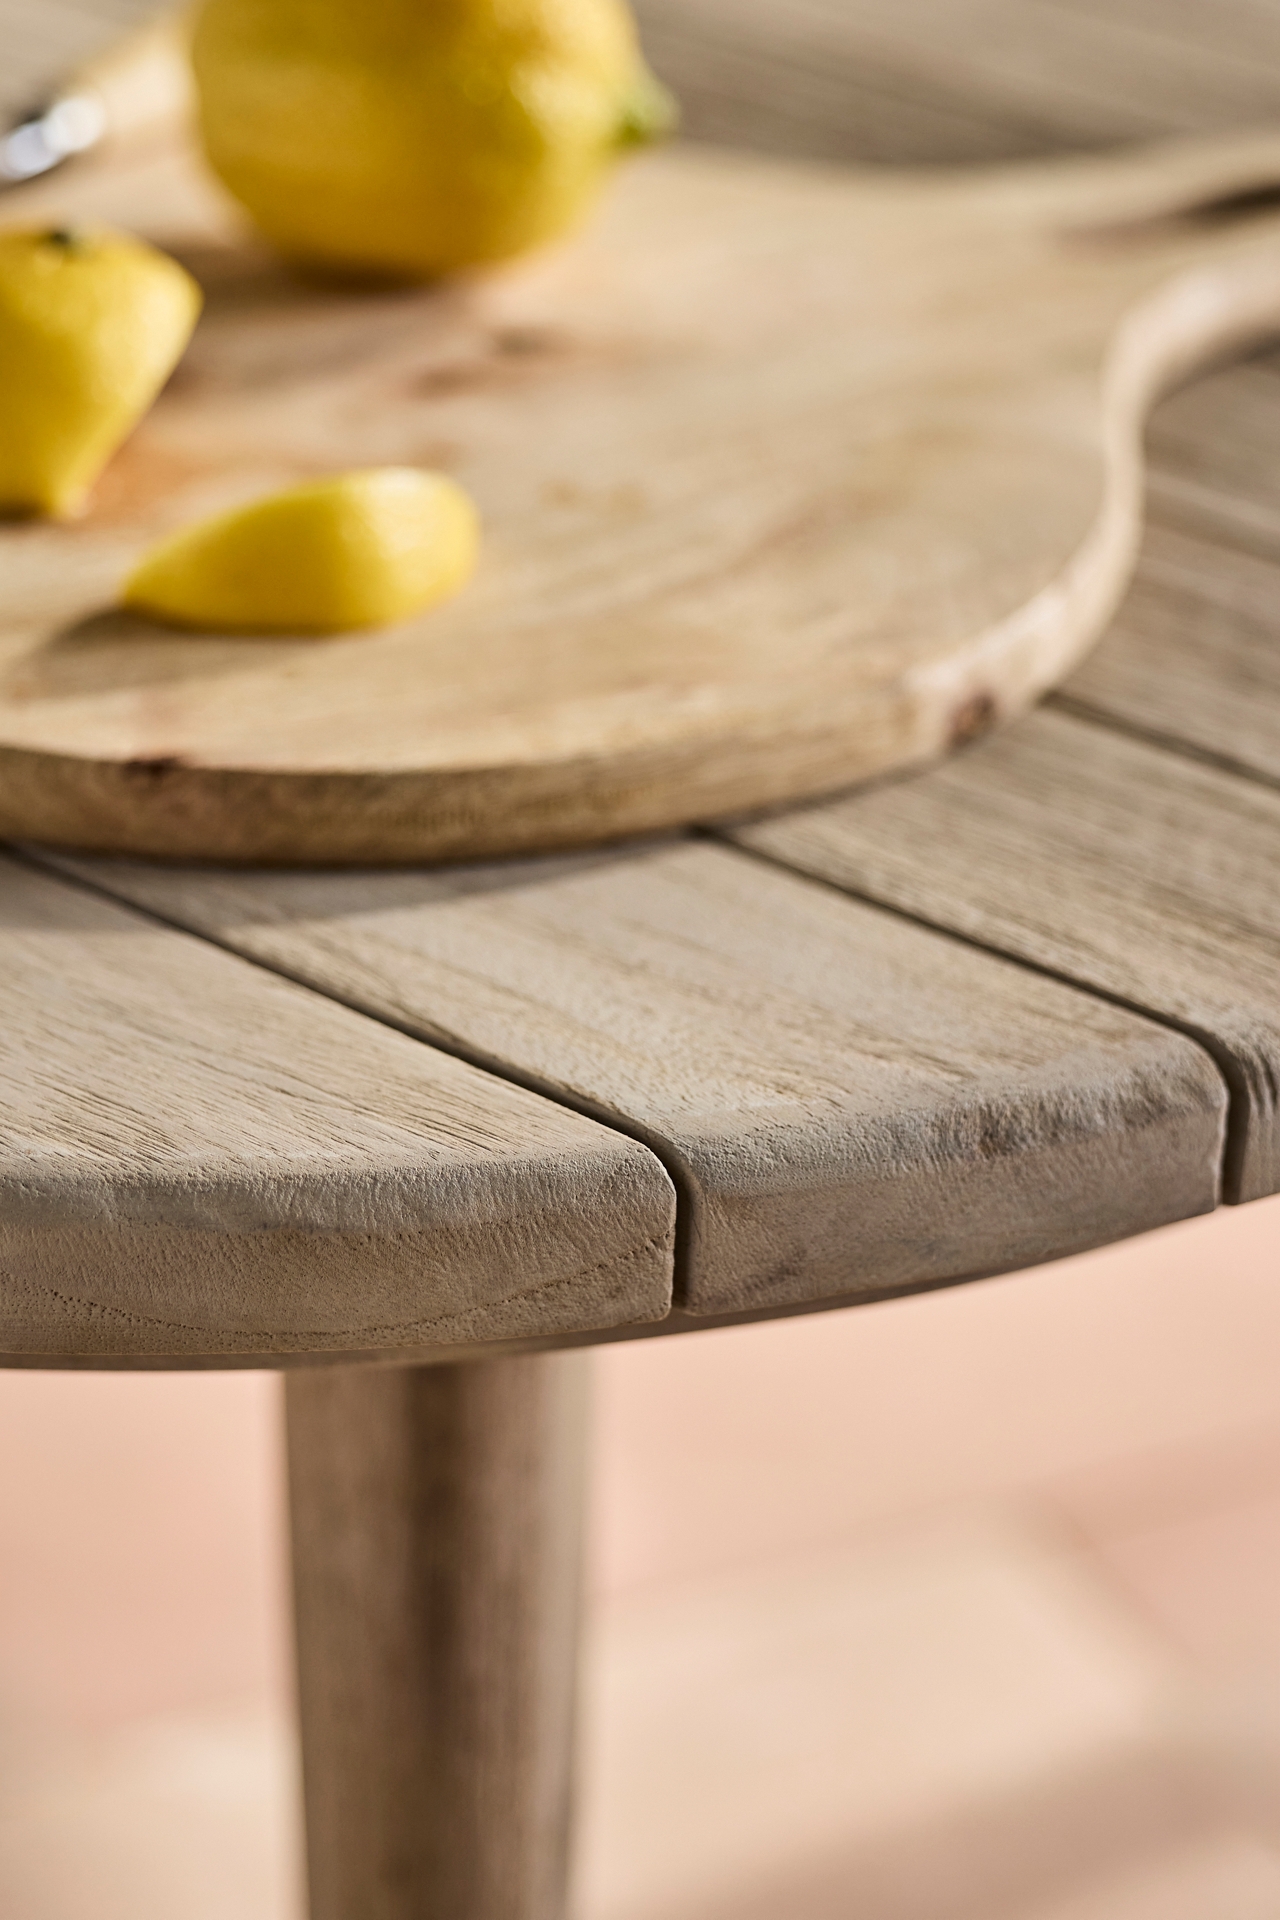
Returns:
(789,476)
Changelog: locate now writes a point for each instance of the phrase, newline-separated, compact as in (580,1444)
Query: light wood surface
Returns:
(202,1160)
(963,80)
(1103,859)
(437,1564)
(848,1104)
(769,503)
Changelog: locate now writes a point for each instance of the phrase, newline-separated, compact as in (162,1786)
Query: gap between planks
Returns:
(205,1160)
(857,1105)
(1192,661)
(1185,688)
(1126,869)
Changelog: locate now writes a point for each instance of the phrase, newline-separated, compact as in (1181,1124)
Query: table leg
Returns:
(437,1556)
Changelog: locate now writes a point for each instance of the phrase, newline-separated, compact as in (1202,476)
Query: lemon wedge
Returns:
(91,326)
(354,550)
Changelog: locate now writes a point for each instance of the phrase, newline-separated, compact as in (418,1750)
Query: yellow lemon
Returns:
(416,137)
(91,326)
(355,550)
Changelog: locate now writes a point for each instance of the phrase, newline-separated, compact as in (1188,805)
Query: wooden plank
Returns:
(851,1105)
(198,1159)
(752,77)
(972,80)
(1096,77)
(1211,466)
(1104,859)
(437,1561)
(1193,658)
(1239,30)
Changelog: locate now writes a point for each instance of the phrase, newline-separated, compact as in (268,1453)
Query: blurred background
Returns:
(965,1607)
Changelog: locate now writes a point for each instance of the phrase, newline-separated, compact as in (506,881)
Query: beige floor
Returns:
(964,1608)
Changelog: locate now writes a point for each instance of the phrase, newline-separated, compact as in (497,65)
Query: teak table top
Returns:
(1018,1006)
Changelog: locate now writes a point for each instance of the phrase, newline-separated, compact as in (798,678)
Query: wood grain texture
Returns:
(1109,861)
(770,504)
(962,80)
(1193,657)
(197,1158)
(437,1523)
(848,1103)
(881,80)
(1211,469)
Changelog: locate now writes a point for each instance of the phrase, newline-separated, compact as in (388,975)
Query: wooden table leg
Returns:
(437,1559)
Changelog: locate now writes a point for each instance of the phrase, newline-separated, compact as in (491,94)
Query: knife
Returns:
(140,86)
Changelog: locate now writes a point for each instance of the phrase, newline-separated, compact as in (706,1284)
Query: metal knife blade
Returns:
(141,85)
(42,140)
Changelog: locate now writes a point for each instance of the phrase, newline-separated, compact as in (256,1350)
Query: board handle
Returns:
(1210,180)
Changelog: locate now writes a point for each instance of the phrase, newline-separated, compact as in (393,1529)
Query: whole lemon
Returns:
(417,137)
(92,323)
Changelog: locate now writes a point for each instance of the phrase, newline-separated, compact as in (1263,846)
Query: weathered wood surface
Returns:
(1221,488)
(197,1159)
(1108,861)
(770,505)
(1212,470)
(1194,654)
(437,1560)
(849,1104)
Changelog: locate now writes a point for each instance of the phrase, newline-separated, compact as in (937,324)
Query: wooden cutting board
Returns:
(789,477)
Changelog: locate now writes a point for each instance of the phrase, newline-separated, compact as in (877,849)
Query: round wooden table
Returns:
(414,1137)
